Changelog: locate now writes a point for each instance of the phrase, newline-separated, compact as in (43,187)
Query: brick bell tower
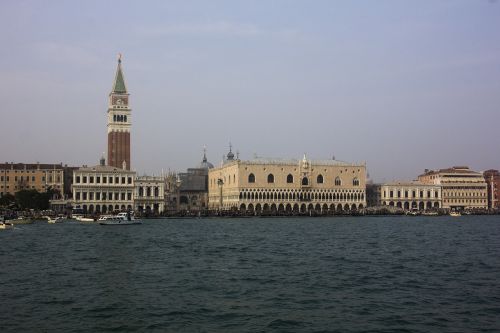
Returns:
(119,122)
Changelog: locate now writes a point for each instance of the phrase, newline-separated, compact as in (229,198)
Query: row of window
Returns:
(120,118)
(105,180)
(289,179)
(305,180)
(413,194)
(27,171)
(25,187)
(463,194)
(27,178)
(465,201)
(148,192)
(464,188)
(103,196)
(19,188)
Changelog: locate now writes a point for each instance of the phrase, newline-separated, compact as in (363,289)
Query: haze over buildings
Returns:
(401,85)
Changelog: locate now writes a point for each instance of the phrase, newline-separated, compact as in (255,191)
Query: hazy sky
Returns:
(402,85)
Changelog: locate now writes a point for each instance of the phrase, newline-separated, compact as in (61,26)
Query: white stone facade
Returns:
(103,189)
(410,195)
(149,194)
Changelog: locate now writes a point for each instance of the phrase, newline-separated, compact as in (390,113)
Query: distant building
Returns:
(462,188)
(149,195)
(15,177)
(492,178)
(409,195)
(119,122)
(103,189)
(271,185)
(188,191)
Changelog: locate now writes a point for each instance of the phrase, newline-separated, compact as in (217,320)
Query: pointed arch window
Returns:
(338,182)
(251,178)
(319,179)
(355,182)
(289,179)
(270,178)
(305,181)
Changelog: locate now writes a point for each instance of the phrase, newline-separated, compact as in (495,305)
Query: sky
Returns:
(400,85)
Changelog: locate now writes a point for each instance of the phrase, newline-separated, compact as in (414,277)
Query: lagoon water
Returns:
(339,274)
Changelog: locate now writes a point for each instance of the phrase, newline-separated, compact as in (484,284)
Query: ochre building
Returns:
(34,176)
(265,185)
(461,187)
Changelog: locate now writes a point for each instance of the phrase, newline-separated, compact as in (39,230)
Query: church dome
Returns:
(205,164)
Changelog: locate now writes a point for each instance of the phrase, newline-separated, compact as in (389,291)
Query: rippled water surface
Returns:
(363,274)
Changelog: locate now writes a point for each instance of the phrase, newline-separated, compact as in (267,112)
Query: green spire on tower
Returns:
(119,83)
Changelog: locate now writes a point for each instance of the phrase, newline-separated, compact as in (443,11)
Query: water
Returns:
(361,274)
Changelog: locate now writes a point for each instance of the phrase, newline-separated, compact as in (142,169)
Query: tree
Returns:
(32,199)
(27,199)
(7,200)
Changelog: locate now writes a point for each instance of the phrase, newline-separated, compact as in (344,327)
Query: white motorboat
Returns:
(120,219)
(57,219)
(82,218)
(455,213)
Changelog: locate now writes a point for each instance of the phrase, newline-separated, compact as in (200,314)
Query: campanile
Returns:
(119,122)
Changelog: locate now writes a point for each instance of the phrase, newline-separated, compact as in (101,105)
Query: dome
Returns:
(205,164)
(230,155)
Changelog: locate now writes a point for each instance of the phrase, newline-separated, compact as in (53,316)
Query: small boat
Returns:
(51,220)
(430,213)
(120,219)
(455,213)
(82,218)
(22,220)
(6,225)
